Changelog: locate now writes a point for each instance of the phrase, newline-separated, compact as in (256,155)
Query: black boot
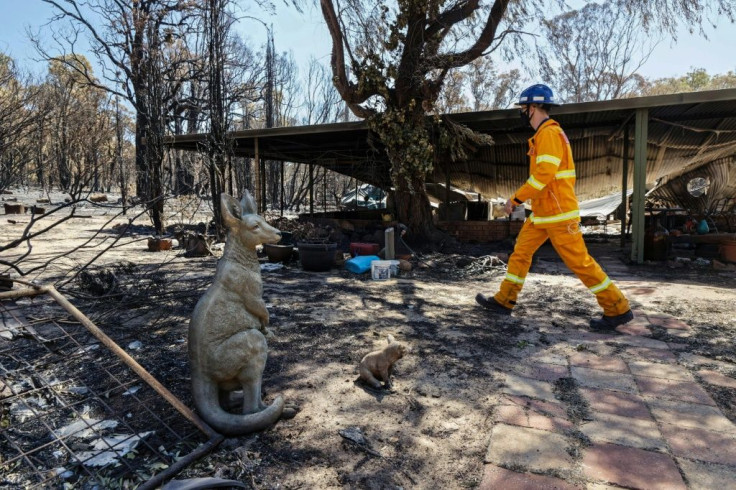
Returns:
(490,303)
(611,322)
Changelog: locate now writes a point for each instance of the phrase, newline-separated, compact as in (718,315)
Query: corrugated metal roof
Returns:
(686,131)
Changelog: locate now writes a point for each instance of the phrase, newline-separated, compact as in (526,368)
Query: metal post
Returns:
(311,190)
(624,187)
(641,132)
(257,176)
(263,185)
(282,189)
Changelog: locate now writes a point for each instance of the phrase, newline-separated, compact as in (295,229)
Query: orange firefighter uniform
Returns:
(555,215)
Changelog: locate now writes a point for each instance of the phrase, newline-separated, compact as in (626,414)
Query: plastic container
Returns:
(359,248)
(384,269)
(361,263)
(278,253)
(317,257)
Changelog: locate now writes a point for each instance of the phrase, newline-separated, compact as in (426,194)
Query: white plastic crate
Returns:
(384,269)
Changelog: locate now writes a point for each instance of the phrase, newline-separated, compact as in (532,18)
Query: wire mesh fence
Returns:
(74,413)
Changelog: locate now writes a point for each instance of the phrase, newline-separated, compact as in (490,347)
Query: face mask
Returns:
(524,115)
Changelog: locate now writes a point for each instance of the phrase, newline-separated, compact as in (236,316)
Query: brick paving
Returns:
(647,420)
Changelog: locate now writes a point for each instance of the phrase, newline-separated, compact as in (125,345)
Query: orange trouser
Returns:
(569,244)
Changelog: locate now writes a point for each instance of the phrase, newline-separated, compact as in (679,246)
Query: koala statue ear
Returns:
(248,204)
(230,208)
(390,339)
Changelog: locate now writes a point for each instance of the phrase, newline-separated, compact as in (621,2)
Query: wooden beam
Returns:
(641,133)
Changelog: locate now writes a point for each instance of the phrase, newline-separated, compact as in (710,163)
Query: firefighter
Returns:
(555,216)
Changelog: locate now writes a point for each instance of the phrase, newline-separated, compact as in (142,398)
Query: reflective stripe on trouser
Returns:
(571,248)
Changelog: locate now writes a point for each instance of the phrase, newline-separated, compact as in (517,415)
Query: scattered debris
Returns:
(98,198)
(271,266)
(107,450)
(355,435)
(85,428)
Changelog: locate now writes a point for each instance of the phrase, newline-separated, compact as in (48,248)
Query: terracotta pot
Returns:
(159,244)
(728,251)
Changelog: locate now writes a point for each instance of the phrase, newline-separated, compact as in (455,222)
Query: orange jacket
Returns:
(551,183)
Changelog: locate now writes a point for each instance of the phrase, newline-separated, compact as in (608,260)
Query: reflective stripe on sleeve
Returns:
(513,278)
(565,174)
(600,287)
(555,218)
(549,159)
(535,183)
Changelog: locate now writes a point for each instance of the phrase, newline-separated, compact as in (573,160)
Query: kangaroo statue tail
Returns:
(206,400)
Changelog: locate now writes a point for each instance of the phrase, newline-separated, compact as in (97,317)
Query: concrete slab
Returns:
(659,370)
(667,321)
(548,409)
(496,478)
(589,337)
(707,476)
(603,363)
(700,444)
(634,329)
(717,379)
(534,449)
(647,354)
(686,391)
(683,414)
(518,415)
(625,431)
(631,467)
(704,362)
(637,341)
(607,380)
(616,403)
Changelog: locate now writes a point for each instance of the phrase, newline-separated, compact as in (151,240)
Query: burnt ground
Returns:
(433,428)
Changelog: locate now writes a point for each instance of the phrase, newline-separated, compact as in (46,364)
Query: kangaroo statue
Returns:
(228,328)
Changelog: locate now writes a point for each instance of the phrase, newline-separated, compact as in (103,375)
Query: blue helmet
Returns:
(537,94)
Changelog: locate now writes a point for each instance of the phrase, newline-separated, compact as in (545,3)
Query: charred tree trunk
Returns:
(216,34)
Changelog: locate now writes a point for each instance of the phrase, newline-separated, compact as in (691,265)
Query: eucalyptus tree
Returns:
(695,80)
(399,54)
(594,53)
(80,126)
(19,117)
(136,45)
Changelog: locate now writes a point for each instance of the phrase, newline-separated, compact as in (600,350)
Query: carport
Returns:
(645,144)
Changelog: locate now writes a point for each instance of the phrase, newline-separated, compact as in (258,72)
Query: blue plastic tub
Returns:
(361,263)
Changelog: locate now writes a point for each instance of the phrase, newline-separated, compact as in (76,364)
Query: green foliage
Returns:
(407,141)
(696,80)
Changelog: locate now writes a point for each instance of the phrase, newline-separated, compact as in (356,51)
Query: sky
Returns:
(305,35)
